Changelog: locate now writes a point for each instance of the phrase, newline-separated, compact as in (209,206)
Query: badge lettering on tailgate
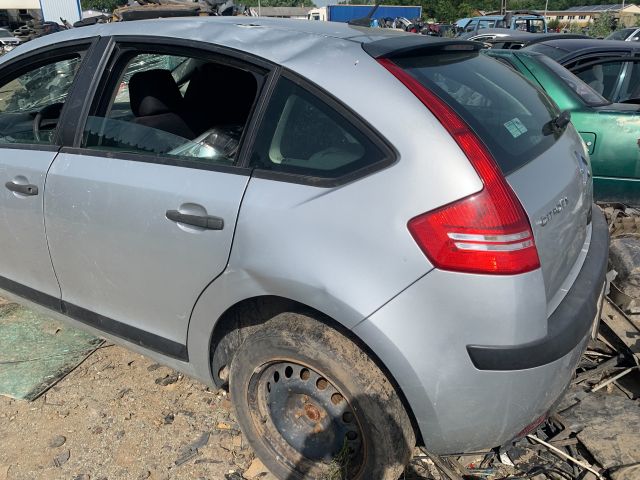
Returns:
(557,208)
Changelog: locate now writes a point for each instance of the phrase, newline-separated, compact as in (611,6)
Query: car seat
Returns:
(598,82)
(219,95)
(156,102)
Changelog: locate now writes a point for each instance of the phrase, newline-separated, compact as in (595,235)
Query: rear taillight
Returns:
(487,232)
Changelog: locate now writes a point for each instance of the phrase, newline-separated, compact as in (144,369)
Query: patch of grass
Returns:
(339,466)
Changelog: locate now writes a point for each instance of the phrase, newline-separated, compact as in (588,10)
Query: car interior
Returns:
(177,106)
(31,102)
(602,77)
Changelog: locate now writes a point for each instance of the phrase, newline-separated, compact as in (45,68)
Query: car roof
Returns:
(527,38)
(274,39)
(582,45)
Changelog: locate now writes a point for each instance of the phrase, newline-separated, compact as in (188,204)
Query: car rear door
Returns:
(33,90)
(141,212)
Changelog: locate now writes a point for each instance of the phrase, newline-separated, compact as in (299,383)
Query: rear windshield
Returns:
(549,51)
(505,110)
(584,91)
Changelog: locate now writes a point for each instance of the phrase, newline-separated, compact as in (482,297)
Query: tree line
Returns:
(441,10)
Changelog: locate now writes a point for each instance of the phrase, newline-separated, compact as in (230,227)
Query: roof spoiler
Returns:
(416,45)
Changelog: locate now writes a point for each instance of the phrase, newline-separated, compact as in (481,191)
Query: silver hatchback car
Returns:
(373,239)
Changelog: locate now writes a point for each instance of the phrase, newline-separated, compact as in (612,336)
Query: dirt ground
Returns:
(121,416)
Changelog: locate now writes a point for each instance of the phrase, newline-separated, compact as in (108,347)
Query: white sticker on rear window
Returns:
(515,127)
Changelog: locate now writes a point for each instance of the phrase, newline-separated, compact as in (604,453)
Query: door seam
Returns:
(44,222)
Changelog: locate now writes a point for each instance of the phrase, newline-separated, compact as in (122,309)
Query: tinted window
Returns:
(530,25)
(630,85)
(486,24)
(301,134)
(506,111)
(584,91)
(602,77)
(30,104)
(471,26)
(548,50)
(173,106)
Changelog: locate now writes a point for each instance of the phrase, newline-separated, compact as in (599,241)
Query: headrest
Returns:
(154,92)
(230,90)
(598,73)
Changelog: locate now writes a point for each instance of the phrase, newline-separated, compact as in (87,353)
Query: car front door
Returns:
(141,212)
(33,91)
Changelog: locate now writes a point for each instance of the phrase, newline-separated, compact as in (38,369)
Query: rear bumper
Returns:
(568,324)
(423,335)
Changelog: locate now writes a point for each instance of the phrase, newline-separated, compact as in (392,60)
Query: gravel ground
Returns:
(121,416)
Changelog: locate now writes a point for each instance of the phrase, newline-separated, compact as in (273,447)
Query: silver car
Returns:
(373,239)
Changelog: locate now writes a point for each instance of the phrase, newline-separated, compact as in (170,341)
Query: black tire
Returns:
(313,405)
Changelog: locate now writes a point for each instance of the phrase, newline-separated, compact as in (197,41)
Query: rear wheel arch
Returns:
(242,318)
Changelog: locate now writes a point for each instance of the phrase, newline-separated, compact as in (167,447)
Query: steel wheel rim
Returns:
(305,420)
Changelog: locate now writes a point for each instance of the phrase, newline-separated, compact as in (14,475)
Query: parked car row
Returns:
(611,131)
(216,194)
(598,81)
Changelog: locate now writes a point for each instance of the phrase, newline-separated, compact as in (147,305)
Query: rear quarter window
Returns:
(505,110)
(304,136)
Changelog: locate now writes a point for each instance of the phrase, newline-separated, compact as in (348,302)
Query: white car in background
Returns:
(626,34)
(7,41)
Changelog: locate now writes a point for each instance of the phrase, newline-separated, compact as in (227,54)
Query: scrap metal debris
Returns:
(192,450)
(168,379)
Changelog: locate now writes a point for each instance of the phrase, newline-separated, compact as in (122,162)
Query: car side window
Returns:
(31,101)
(471,26)
(630,85)
(602,77)
(173,106)
(301,134)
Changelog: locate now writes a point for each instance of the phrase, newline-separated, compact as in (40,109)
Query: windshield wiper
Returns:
(557,124)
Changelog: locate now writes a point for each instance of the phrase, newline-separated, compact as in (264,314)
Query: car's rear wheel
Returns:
(313,405)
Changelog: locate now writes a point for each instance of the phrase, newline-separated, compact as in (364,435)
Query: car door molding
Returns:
(108,325)
(36,296)
(122,330)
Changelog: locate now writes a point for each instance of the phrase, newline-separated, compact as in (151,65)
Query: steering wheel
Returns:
(47,117)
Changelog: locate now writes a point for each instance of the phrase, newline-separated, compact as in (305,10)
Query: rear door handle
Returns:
(203,221)
(28,189)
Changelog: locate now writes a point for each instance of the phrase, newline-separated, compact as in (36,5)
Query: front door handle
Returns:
(28,189)
(203,221)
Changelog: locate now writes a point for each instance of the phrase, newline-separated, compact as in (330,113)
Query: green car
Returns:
(611,131)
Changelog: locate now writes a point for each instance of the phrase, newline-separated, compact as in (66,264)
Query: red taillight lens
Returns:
(487,232)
